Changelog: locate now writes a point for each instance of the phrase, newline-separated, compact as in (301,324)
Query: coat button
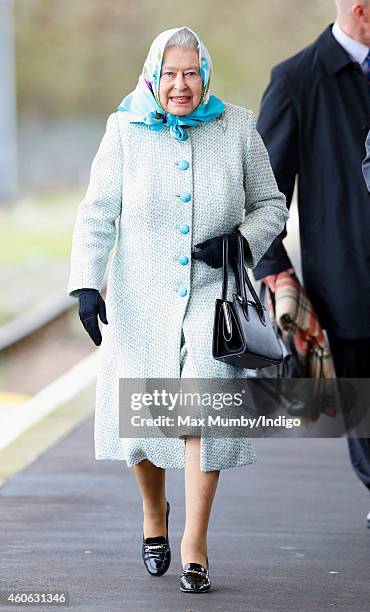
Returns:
(184,260)
(183,165)
(184,228)
(185,197)
(182,291)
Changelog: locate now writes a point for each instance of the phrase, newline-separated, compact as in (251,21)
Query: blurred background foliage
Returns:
(78,57)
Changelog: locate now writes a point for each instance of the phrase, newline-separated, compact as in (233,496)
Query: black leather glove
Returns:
(211,250)
(90,305)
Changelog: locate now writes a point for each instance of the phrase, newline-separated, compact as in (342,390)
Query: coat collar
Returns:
(332,54)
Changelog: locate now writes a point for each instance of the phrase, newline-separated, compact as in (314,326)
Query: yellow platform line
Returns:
(13,398)
(36,440)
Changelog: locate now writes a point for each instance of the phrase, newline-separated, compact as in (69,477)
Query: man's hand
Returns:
(270,280)
(90,305)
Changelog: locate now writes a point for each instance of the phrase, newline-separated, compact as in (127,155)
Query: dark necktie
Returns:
(368,71)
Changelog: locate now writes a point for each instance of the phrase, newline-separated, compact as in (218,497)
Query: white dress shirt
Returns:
(357,51)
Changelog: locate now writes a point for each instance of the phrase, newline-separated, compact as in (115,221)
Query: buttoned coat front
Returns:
(155,198)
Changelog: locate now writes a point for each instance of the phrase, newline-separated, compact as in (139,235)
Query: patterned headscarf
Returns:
(143,104)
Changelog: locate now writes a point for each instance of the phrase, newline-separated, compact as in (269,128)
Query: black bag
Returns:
(307,400)
(290,366)
(296,400)
(242,334)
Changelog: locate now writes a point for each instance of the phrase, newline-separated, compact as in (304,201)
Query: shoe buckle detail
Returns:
(195,572)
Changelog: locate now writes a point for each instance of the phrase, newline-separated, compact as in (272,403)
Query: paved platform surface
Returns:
(286,534)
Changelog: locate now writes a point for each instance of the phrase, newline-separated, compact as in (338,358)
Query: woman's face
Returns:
(180,88)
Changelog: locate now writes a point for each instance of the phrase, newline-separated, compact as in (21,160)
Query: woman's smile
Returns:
(180,99)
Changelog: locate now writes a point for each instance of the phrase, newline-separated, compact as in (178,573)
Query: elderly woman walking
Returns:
(176,170)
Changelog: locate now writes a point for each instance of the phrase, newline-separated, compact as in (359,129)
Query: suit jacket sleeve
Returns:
(366,163)
(265,209)
(278,127)
(95,228)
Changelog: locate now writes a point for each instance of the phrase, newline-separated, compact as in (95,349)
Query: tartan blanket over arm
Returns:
(295,316)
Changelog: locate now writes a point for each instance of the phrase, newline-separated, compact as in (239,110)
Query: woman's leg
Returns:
(152,484)
(200,489)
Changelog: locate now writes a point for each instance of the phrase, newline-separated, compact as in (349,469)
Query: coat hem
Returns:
(181,465)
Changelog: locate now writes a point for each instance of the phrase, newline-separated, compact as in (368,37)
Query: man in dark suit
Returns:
(314,120)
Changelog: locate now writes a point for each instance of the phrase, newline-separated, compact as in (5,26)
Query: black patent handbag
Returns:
(290,366)
(243,335)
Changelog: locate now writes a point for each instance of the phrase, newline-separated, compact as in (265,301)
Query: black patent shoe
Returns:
(156,552)
(195,578)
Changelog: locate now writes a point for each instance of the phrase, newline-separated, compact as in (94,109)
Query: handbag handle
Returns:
(225,259)
(243,281)
(241,276)
(262,295)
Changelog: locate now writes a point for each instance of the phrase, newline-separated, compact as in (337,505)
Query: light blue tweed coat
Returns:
(156,209)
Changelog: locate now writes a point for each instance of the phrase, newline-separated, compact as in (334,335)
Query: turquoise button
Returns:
(185,197)
(184,229)
(183,165)
(184,260)
(183,292)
